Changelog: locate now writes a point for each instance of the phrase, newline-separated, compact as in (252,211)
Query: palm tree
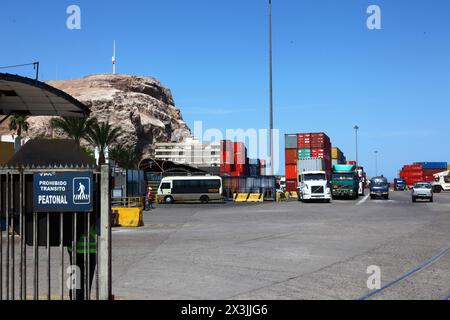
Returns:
(125,157)
(102,135)
(74,128)
(19,124)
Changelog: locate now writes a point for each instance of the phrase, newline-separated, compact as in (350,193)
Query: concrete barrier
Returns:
(255,197)
(129,217)
(240,197)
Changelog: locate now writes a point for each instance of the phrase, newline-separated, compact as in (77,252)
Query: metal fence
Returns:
(39,258)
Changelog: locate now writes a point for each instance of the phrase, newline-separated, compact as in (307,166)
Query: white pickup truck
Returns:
(313,185)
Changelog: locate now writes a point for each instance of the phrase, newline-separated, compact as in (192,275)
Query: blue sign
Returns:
(63,192)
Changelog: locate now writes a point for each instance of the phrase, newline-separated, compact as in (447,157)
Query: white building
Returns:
(191,152)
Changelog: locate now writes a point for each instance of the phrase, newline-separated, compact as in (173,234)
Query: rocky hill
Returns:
(141,106)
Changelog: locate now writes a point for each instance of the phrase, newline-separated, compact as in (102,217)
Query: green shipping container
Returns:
(304,153)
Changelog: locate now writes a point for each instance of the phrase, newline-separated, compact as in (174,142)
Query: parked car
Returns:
(422,190)
(379,188)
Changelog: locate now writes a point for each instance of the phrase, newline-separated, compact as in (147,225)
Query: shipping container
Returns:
(290,141)
(291,185)
(291,171)
(312,164)
(304,153)
(304,141)
(433,165)
(336,153)
(291,156)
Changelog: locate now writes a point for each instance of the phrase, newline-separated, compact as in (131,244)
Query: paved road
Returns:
(285,251)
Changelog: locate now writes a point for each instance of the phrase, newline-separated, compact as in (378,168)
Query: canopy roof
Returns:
(25,96)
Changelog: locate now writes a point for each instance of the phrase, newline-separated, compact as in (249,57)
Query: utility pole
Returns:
(356,135)
(271,90)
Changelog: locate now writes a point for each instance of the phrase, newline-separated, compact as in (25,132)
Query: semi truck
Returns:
(313,185)
(345,181)
(441,181)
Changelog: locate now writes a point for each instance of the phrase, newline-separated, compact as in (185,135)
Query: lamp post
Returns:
(271,89)
(356,127)
(376,163)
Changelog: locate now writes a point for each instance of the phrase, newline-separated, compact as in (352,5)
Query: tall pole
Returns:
(356,135)
(376,163)
(271,90)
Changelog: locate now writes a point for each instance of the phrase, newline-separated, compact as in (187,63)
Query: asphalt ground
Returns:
(288,250)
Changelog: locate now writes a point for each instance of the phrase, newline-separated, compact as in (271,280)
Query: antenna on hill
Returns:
(114,58)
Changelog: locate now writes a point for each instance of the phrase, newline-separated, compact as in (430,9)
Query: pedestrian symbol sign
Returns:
(63,192)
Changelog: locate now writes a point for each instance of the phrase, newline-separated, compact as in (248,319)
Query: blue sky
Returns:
(330,70)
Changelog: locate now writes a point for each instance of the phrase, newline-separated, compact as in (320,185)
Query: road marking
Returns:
(360,202)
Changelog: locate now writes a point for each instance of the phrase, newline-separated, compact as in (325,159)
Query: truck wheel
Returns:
(437,189)
(432,199)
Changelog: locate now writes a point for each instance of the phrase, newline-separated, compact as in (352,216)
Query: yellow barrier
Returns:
(255,197)
(293,195)
(129,217)
(240,197)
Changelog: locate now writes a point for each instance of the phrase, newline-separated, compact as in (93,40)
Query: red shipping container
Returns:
(430,172)
(304,140)
(291,156)
(291,172)
(291,185)
(227,157)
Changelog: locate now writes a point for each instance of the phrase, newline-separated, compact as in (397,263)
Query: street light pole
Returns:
(356,135)
(271,90)
(376,163)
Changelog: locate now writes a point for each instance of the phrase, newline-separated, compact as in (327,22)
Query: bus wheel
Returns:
(168,200)
(204,199)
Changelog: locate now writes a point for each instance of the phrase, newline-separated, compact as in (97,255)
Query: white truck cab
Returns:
(441,182)
(313,185)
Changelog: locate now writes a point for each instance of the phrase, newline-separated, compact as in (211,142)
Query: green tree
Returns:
(19,124)
(102,135)
(125,158)
(74,128)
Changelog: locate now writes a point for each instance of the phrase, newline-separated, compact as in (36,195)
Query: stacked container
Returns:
(234,161)
(306,151)
(226,157)
(337,156)
(422,171)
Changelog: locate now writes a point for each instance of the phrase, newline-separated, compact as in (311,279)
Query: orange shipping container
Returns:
(291,156)
(291,172)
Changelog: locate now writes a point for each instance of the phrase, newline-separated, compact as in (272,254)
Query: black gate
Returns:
(39,256)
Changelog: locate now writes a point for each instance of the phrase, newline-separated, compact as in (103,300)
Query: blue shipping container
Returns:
(434,165)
